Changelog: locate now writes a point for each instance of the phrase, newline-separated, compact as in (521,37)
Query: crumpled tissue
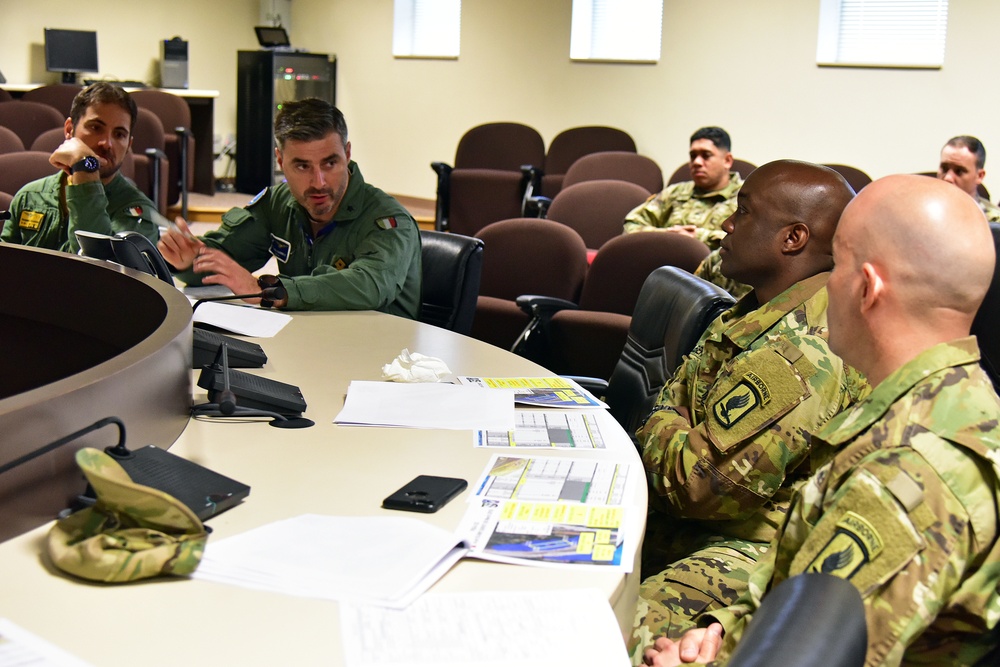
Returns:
(415,367)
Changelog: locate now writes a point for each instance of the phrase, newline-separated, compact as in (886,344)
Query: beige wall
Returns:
(749,67)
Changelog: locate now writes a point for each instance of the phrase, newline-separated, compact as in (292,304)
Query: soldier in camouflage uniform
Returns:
(730,436)
(963,160)
(697,207)
(907,509)
(710,269)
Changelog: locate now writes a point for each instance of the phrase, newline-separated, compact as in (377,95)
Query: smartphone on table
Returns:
(425,493)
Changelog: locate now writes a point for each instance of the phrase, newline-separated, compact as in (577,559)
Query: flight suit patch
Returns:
(740,400)
(134,211)
(386,223)
(854,543)
(256,198)
(340,264)
(31,220)
(280,248)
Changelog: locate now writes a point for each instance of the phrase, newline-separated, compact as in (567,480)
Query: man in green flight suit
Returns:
(341,244)
(729,438)
(88,192)
(907,508)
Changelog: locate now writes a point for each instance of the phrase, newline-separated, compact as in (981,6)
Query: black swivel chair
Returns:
(673,309)
(986,326)
(452,269)
(810,620)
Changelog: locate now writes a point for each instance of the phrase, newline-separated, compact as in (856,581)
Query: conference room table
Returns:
(326,469)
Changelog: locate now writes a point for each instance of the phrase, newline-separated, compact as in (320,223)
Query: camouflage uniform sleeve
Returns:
(757,419)
(652,214)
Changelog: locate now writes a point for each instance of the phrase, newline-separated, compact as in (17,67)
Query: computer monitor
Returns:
(272,37)
(70,52)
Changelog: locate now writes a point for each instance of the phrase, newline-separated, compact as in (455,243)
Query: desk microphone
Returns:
(227,399)
(270,294)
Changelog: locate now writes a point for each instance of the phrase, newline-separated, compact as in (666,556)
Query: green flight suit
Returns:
(46,213)
(367,258)
(682,204)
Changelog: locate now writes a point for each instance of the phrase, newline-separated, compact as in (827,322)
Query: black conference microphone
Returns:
(268,294)
(226,399)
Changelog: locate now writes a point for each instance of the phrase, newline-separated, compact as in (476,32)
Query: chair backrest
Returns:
(148,132)
(570,145)
(683,172)
(504,146)
(57,95)
(622,265)
(809,620)
(986,325)
(9,141)
(856,178)
(5,199)
(596,209)
(532,256)
(29,119)
(49,140)
(672,311)
(19,169)
(5,96)
(172,110)
(452,270)
(616,165)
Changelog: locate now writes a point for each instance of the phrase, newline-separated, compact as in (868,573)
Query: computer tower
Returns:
(174,63)
(266,79)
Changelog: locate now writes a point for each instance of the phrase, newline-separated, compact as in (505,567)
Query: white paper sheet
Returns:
(427,405)
(375,560)
(20,648)
(244,320)
(479,629)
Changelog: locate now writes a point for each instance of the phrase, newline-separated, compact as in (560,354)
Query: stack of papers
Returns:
(426,405)
(540,392)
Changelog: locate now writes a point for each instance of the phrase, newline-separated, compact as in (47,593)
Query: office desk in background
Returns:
(325,469)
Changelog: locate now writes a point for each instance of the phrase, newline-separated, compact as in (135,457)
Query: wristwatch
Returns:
(89,164)
(278,293)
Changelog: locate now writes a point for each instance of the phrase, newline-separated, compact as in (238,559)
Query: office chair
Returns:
(607,165)
(175,116)
(152,168)
(29,119)
(809,620)
(59,96)
(986,325)
(5,96)
(855,177)
(452,270)
(570,145)
(487,183)
(5,200)
(587,339)
(524,256)
(596,209)
(19,169)
(683,172)
(9,141)
(673,310)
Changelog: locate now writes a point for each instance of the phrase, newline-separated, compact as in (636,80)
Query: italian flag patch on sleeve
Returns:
(386,223)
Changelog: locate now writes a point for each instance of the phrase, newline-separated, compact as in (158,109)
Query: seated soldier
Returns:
(963,161)
(730,436)
(341,244)
(907,508)
(696,207)
(88,192)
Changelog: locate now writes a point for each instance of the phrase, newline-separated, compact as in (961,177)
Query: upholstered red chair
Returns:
(29,119)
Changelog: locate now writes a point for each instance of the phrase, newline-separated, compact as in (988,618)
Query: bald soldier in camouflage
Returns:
(697,207)
(907,510)
(731,434)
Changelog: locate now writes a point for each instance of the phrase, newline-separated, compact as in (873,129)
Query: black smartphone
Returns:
(425,493)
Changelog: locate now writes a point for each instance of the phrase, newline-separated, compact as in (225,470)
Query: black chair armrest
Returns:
(531,183)
(540,309)
(443,203)
(537,305)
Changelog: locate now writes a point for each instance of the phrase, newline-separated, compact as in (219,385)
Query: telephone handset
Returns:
(130,249)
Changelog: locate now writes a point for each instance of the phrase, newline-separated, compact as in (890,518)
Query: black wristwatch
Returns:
(89,164)
(265,281)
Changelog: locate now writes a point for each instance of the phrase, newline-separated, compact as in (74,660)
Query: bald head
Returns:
(915,257)
(782,230)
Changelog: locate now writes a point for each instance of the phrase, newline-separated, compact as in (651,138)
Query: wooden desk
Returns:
(325,469)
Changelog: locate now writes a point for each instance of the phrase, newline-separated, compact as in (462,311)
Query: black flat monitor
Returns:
(70,52)
(271,37)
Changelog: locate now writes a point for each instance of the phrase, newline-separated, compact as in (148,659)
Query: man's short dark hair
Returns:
(310,119)
(716,135)
(973,145)
(102,92)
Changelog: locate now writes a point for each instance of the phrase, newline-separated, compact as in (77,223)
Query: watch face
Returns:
(88,164)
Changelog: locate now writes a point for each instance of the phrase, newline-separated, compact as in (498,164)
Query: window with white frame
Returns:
(887,33)
(427,28)
(616,30)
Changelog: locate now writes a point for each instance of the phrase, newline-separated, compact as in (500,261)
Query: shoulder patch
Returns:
(134,211)
(256,197)
(751,392)
(31,220)
(386,223)
(854,543)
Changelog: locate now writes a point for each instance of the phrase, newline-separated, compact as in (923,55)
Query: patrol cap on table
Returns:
(132,531)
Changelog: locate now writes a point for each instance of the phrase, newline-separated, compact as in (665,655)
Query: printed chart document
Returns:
(20,648)
(540,392)
(336,558)
(480,629)
(551,511)
(426,405)
(558,429)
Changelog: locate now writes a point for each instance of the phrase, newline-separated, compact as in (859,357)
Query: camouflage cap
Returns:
(132,531)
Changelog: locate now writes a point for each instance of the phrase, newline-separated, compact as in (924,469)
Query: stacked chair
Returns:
(596,209)
(29,119)
(570,145)
(855,177)
(179,146)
